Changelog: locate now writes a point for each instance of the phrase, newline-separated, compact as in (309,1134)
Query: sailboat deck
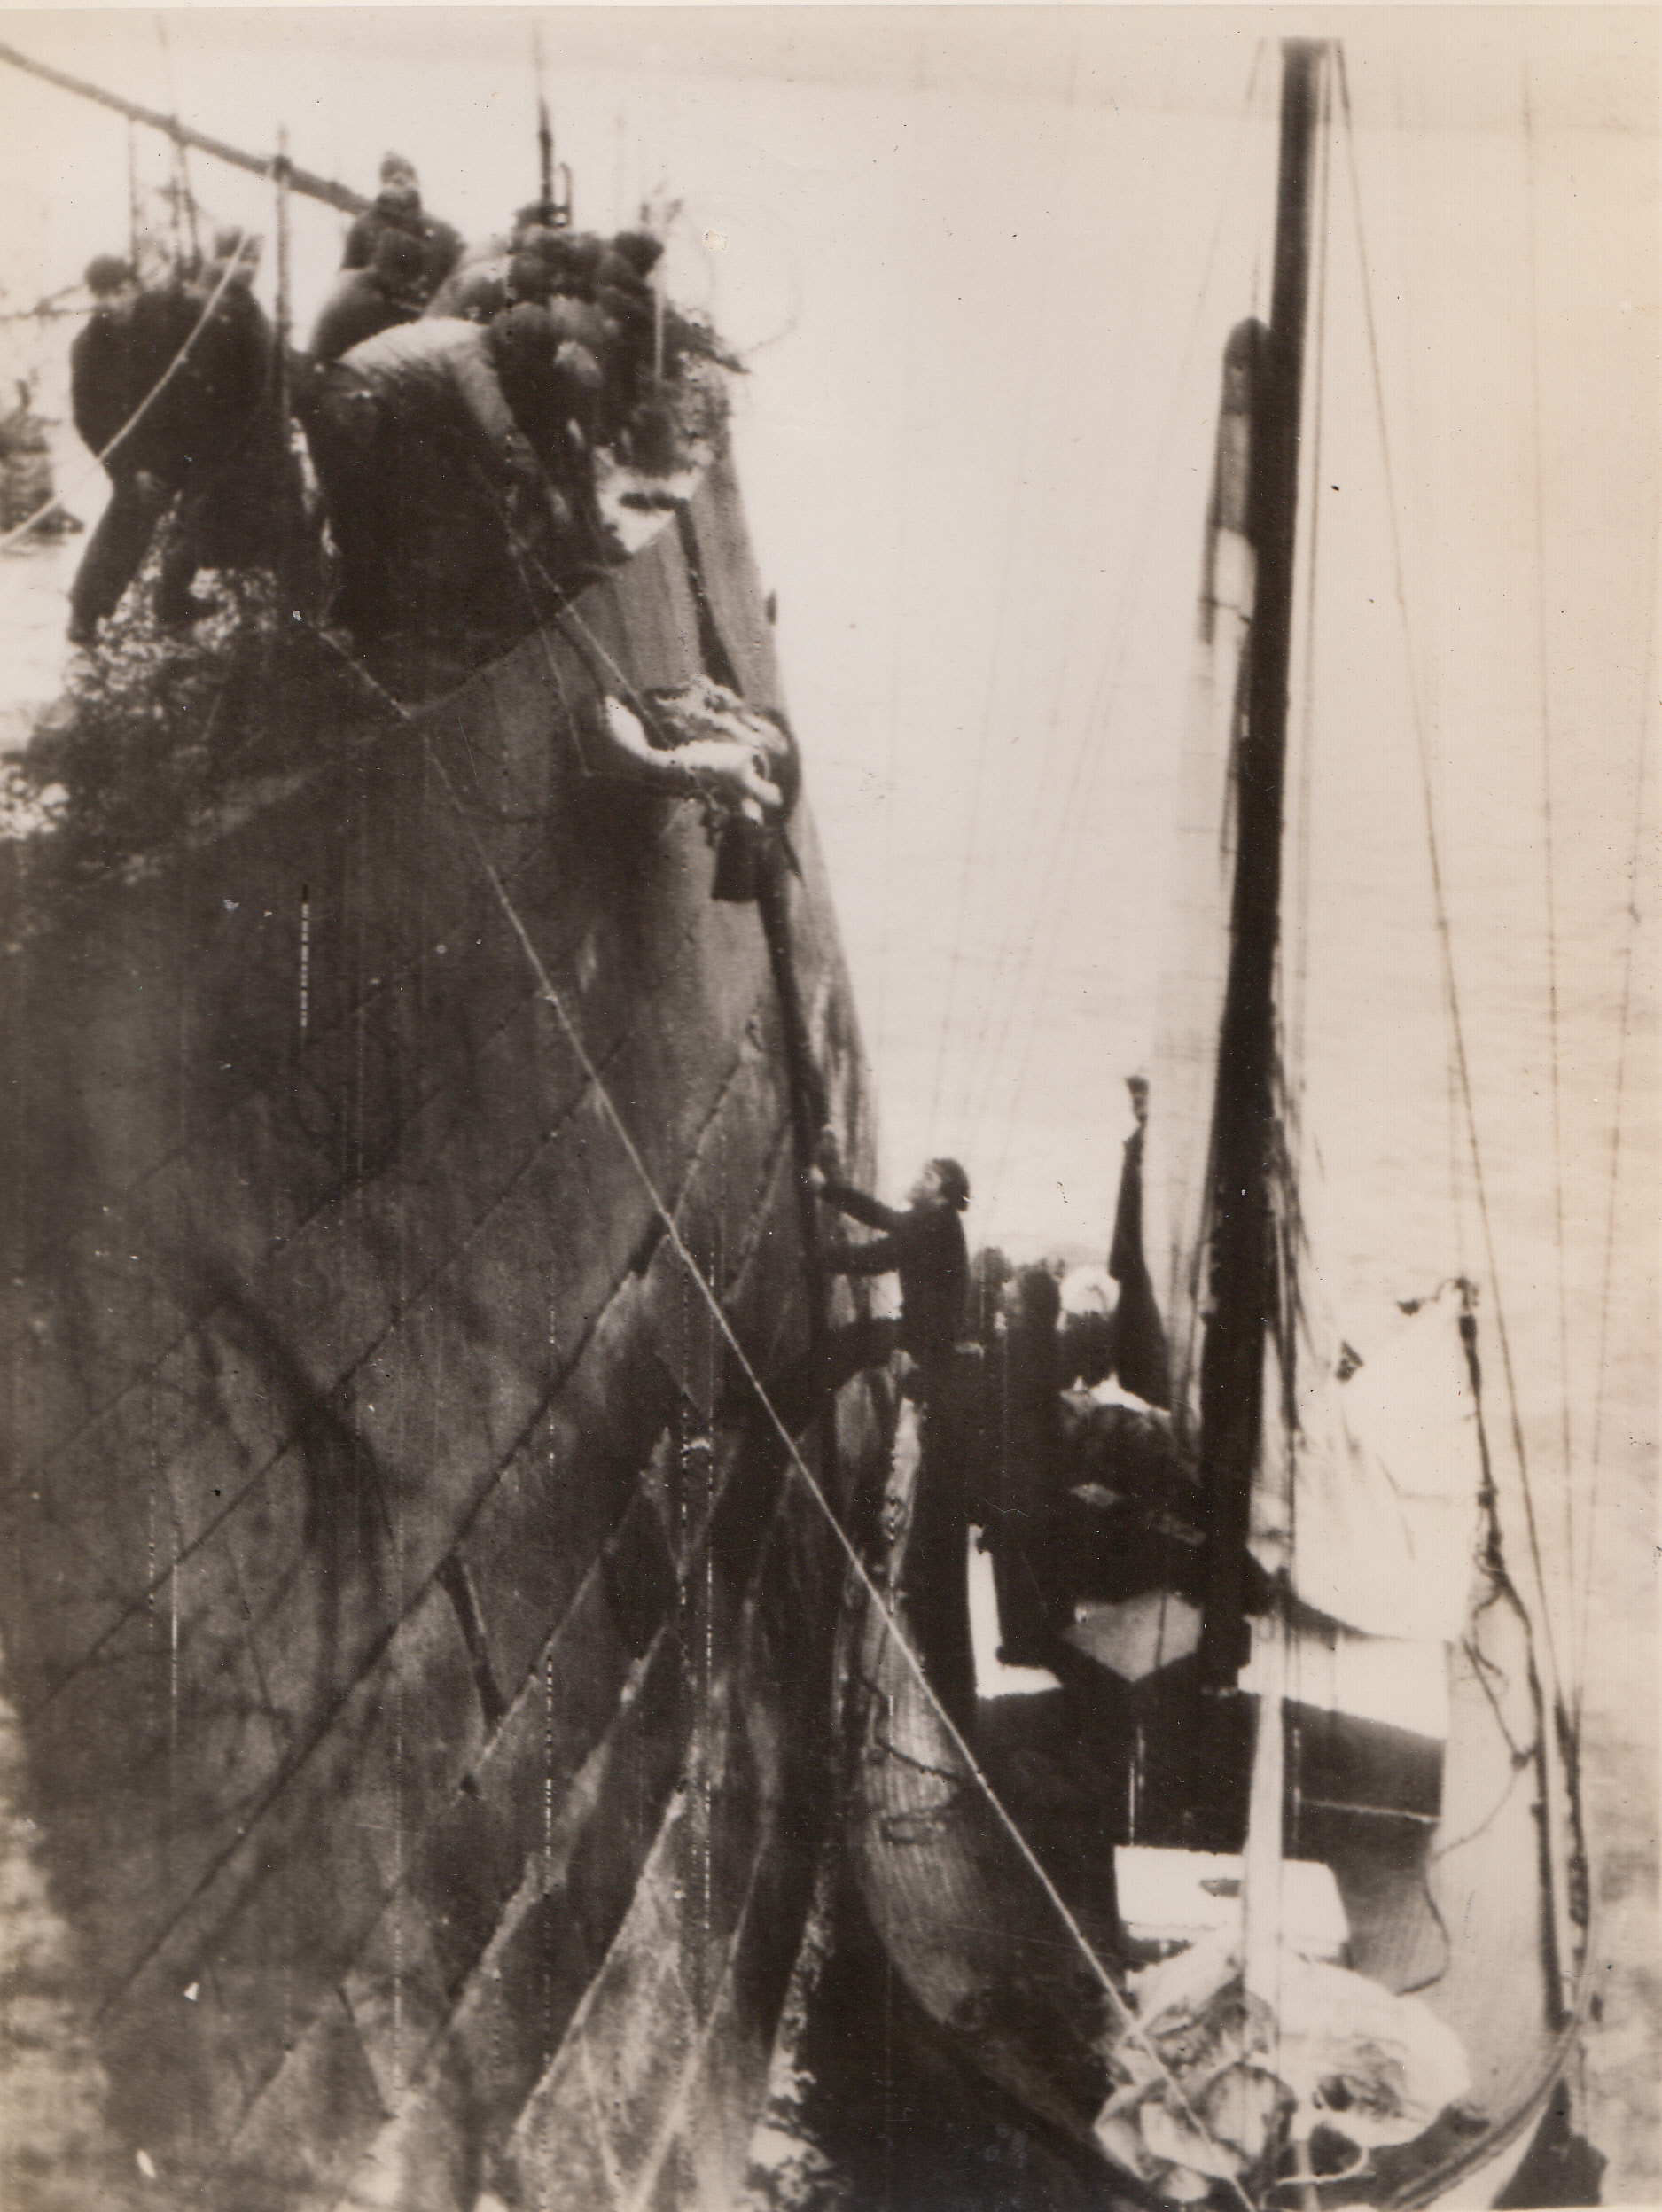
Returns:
(1405,1883)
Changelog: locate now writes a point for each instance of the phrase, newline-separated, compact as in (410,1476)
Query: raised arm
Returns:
(859,1207)
(723,771)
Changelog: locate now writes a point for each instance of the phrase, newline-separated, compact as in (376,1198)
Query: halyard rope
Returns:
(1434,857)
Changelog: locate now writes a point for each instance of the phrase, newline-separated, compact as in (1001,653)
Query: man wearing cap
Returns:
(365,301)
(397,206)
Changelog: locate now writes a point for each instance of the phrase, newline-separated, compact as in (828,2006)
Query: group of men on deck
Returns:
(1070,1477)
(452,405)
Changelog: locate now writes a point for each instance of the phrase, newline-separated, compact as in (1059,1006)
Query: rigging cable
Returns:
(182,198)
(1548,870)
(1410,123)
(1623,1033)
(1461,1064)
(1005,990)
(1089,764)
(134,221)
(1009,534)
(908,383)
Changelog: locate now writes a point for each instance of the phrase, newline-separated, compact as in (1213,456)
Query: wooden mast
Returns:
(1244,1140)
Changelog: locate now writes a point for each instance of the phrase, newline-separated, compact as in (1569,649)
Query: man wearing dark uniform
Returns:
(115,362)
(1019,1465)
(553,383)
(367,301)
(924,1246)
(624,296)
(397,206)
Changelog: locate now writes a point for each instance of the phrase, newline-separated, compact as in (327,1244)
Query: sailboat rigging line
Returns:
(809,1115)
(1090,762)
(1086,766)
(144,406)
(1419,360)
(1504,1590)
(47,307)
(1623,1030)
(552,998)
(1548,862)
(135,227)
(1480,1827)
(1427,1896)
(1482,1668)
(904,490)
(1296,1000)
(1440,902)
(1052,261)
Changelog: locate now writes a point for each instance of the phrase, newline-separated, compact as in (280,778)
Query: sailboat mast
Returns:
(1244,1142)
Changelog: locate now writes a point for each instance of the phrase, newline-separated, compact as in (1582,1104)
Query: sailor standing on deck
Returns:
(397,206)
(1020,1464)
(100,385)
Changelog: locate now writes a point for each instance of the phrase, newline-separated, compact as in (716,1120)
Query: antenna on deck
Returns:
(544,128)
(135,226)
(182,200)
(555,207)
(282,392)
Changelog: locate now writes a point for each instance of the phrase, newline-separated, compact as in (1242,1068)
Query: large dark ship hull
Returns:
(421,1643)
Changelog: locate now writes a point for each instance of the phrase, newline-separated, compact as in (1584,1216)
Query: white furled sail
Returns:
(1375,1515)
